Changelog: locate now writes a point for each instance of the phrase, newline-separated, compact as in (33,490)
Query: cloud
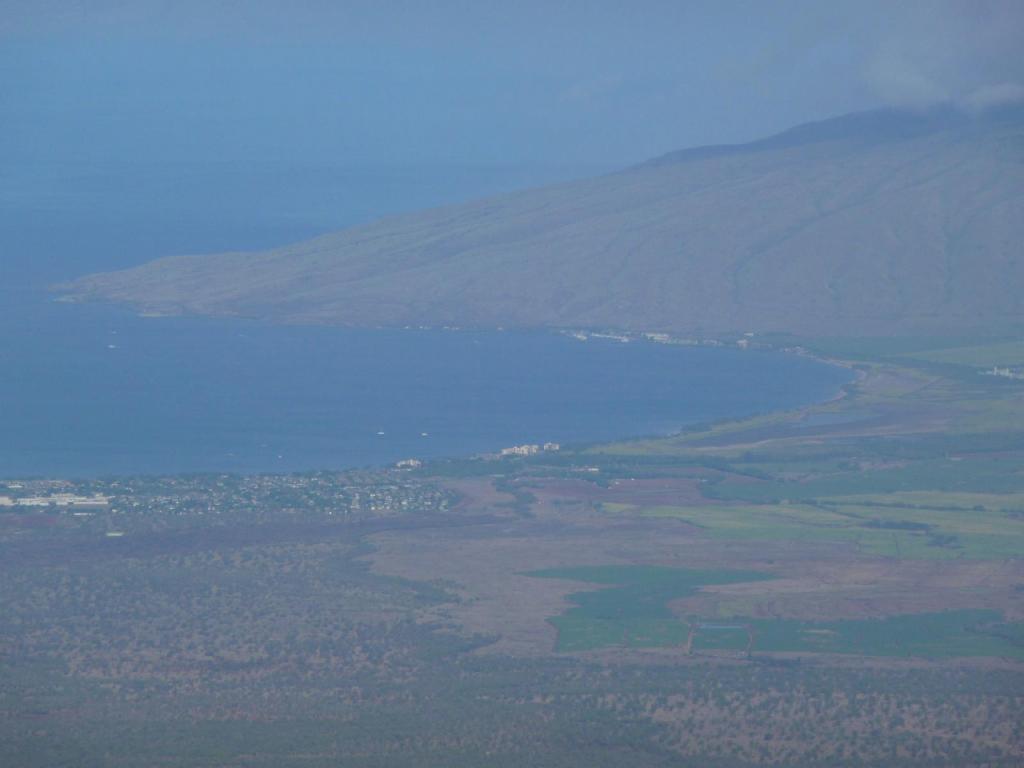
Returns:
(994,96)
(900,82)
(960,51)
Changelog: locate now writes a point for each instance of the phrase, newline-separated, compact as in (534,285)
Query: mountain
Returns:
(878,222)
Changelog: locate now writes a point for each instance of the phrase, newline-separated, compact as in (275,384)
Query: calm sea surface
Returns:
(90,390)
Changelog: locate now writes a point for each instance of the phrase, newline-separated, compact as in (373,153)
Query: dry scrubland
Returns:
(839,585)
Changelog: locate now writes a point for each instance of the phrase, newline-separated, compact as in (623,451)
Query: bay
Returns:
(92,390)
(95,390)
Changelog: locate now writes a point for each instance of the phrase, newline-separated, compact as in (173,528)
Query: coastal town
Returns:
(148,503)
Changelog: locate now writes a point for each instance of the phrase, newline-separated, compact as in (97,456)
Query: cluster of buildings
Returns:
(55,500)
(1006,373)
(528,450)
(138,502)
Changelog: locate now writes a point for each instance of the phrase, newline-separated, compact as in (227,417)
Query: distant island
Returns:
(873,223)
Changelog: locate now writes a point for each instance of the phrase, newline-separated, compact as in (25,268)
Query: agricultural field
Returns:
(634,612)
(872,527)
(837,585)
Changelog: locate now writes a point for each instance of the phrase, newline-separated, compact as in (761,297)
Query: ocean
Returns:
(89,390)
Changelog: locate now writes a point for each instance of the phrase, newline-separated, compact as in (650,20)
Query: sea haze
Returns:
(90,390)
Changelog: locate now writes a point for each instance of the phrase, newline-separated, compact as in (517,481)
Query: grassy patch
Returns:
(800,523)
(633,612)
(886,531)
(944,634)
(680,443)
(721,637)
(993,502)
(879,348)
(976,356)
(987,475)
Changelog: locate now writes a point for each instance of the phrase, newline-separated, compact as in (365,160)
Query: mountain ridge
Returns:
(878,222)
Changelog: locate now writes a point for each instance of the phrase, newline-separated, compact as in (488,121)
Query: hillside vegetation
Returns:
(880,222)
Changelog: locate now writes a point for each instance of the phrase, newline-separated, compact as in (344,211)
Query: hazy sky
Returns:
(477,81)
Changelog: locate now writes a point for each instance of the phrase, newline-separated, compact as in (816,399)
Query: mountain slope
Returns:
(871,223)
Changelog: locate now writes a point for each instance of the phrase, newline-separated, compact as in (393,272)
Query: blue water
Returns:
(91,390)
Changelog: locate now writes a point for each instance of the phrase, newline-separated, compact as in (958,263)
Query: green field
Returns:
(721,637)
(944,634)
(873,528)
(951,475)
(994,502)
(634,611)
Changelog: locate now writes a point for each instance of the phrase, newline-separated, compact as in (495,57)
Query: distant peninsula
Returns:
(883,222)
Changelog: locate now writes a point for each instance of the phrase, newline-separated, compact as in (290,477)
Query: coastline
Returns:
(536,387)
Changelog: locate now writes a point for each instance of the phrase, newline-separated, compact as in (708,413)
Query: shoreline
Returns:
(736,342)
(573,447)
